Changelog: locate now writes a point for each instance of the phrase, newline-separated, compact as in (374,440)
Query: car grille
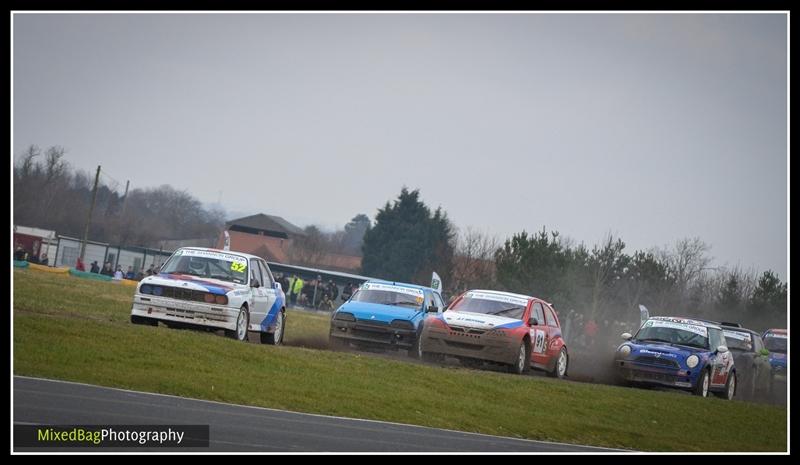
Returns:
(378,331)
(466,332)
(660,362)
(182,294)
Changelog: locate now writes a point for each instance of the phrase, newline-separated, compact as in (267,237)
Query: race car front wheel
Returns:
(143,320)
(523,362)
(242,321)
(701,389)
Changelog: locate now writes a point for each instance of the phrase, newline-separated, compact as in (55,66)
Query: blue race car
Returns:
(383,314)
(678,352)
(776,341)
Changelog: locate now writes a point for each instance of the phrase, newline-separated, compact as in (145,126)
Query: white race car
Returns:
(215,289)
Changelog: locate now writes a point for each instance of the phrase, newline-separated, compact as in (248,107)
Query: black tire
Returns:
(730,388)
(237,333)
(276,337)
(559,371)
(523,362)
(415,351)
(701,388)
(143,320)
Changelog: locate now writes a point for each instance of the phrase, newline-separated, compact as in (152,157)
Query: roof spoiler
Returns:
(726,323)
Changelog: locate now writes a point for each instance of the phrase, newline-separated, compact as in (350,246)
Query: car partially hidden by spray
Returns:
(680,353)
(518,331)
(384,315)
(751,359)
(777,342)
(213,289)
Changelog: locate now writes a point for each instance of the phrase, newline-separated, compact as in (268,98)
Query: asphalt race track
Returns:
(242,428)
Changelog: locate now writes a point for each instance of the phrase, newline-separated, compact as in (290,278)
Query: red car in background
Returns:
(515,330)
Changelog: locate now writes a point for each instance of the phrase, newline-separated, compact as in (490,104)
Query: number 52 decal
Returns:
(240,267)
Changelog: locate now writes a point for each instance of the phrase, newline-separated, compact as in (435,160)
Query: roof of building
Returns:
(267,223)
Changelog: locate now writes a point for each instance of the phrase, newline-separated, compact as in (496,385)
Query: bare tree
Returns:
(473,263)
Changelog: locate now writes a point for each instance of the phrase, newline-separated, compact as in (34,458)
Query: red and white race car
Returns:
(519,331)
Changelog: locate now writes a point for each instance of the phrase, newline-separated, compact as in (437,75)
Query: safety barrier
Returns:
(20,264)
(87,275)
(49,269)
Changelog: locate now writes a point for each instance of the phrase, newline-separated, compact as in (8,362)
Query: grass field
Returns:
(79,330)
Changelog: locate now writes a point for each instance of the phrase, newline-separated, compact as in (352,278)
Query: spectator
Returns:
(140,274)
(333,290)
(95,267)
(326,303)
(152,270)
(107,269)
(130,274)
(118,273)
(43,260)
(347,292)
(590,331)
(297,288)
(19,253)
(79,265)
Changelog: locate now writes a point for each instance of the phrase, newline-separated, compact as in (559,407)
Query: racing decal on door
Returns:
(537,336)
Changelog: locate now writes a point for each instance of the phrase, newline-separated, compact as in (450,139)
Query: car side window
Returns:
(437,300)
(538,313)
(255,272)
(715,338)
(266,274)
(427,299)
(548,315)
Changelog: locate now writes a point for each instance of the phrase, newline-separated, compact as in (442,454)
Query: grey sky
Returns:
(654,127)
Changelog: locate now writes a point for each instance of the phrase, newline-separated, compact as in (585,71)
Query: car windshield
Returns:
(775,343)
(513,309)
(738,340)
(389,297)
(206,264)
(673,333)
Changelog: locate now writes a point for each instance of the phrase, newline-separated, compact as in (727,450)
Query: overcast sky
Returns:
(654,127)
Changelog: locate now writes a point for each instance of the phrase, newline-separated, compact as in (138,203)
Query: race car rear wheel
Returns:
(242,322)
(701,389)
(730,388)
(560,368)
(276,337)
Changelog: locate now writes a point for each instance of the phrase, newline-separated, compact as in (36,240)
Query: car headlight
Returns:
(345,316)
(402,324)
(222,300)
(145,289)
(625,350)
(692,361)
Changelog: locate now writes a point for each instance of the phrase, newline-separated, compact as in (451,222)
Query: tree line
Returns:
(49,194)
(602,282)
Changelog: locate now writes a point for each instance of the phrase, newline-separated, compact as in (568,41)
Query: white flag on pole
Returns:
(436,282)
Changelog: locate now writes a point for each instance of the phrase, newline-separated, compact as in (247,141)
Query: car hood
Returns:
(479,320)
(379,312)
(664,350)
(214,286)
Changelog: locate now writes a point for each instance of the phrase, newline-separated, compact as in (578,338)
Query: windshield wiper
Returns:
(656,340)
(503,311)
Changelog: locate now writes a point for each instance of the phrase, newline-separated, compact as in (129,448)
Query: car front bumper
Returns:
(641,373)
(457,343)
(373,333)
(181,311)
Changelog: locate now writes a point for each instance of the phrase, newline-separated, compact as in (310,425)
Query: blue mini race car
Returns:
(776,341)
(383,314)
(678,352)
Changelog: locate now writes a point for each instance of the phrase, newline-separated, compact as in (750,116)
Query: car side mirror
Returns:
(764,352)
(626,336)
(722,349)
(432,309)
(255,283)
(533,321)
